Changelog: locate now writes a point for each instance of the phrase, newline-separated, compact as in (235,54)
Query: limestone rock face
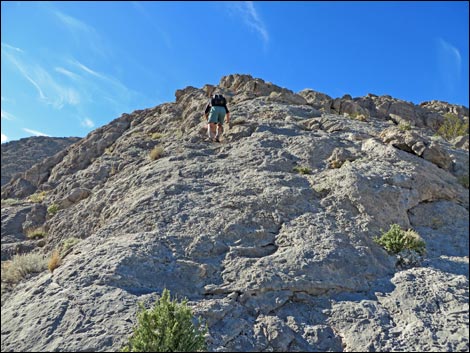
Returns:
(269,234)
(19,156)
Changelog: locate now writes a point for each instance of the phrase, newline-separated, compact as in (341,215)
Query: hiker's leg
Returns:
(212,122)
(211,127)
(220,121)
(220,130)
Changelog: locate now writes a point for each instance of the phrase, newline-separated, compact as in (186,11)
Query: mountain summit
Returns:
(270,234)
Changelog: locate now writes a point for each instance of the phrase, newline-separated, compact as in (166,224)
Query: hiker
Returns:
(215,113)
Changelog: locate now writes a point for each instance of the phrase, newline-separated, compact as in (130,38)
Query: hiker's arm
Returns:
(206,112)
(227,113)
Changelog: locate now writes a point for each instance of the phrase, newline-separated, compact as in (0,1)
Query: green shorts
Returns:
(217,115)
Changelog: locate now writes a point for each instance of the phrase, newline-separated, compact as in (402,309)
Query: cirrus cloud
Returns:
(34,132)
(248,13)
(449,61)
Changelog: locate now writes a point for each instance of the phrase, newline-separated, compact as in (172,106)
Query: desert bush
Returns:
(156,152)
(357,116)
(397,240)
(35,233)
(464,181)
(238,121)
(37,197)
(335,164)
(302,169)
(68,244)
(10,202)
(404,126)
(109,150)
(54,261)
(167,327)
(452,127)
(52,209)
(21,265)
(179,133)
(157,135)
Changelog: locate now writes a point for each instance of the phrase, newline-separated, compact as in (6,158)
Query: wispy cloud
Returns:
(449,62)
(5,99)
(251,18)
(83,33)
(72,23)
(50,91)
(12,47)
(87,69)
(87,122)
(4,138)
(34,132)
(115,82)
(23,70)
(68,73)
(7,116)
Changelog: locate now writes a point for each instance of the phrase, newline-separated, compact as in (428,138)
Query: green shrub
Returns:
(335,163)
(396,240)
(37,197)
(156,152)
(238,121)
(357,116)
(404,126)
(452,127)
(52,209)
(302,170)
(68,244)
(10,202)
(464,181)
(167,327)
(35,233)
(157,135)
(21,265)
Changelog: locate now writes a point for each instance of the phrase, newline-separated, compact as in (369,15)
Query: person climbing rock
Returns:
(215,113)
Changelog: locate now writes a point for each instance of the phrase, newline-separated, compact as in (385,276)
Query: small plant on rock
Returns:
(464,181)
(406,126)
(335,164)
(302,170)
(37,197)
(238,121)
(68,244)
(35,233)
(167,327)
(10,202)
(52,209)
(157,135)
(156,153)
(21,265)
(397,240)
(452,127)
(54,261)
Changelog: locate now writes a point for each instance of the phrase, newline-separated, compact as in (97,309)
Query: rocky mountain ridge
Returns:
(271,258)
(19,156)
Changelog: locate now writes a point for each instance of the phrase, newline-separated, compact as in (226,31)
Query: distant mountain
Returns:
(270,234)
(18,156)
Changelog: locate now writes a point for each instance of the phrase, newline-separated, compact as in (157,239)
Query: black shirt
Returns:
(209,106)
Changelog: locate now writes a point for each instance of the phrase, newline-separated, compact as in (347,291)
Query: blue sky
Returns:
(70,67)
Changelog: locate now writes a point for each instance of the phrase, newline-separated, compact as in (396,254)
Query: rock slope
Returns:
(268,234)
(19,156)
